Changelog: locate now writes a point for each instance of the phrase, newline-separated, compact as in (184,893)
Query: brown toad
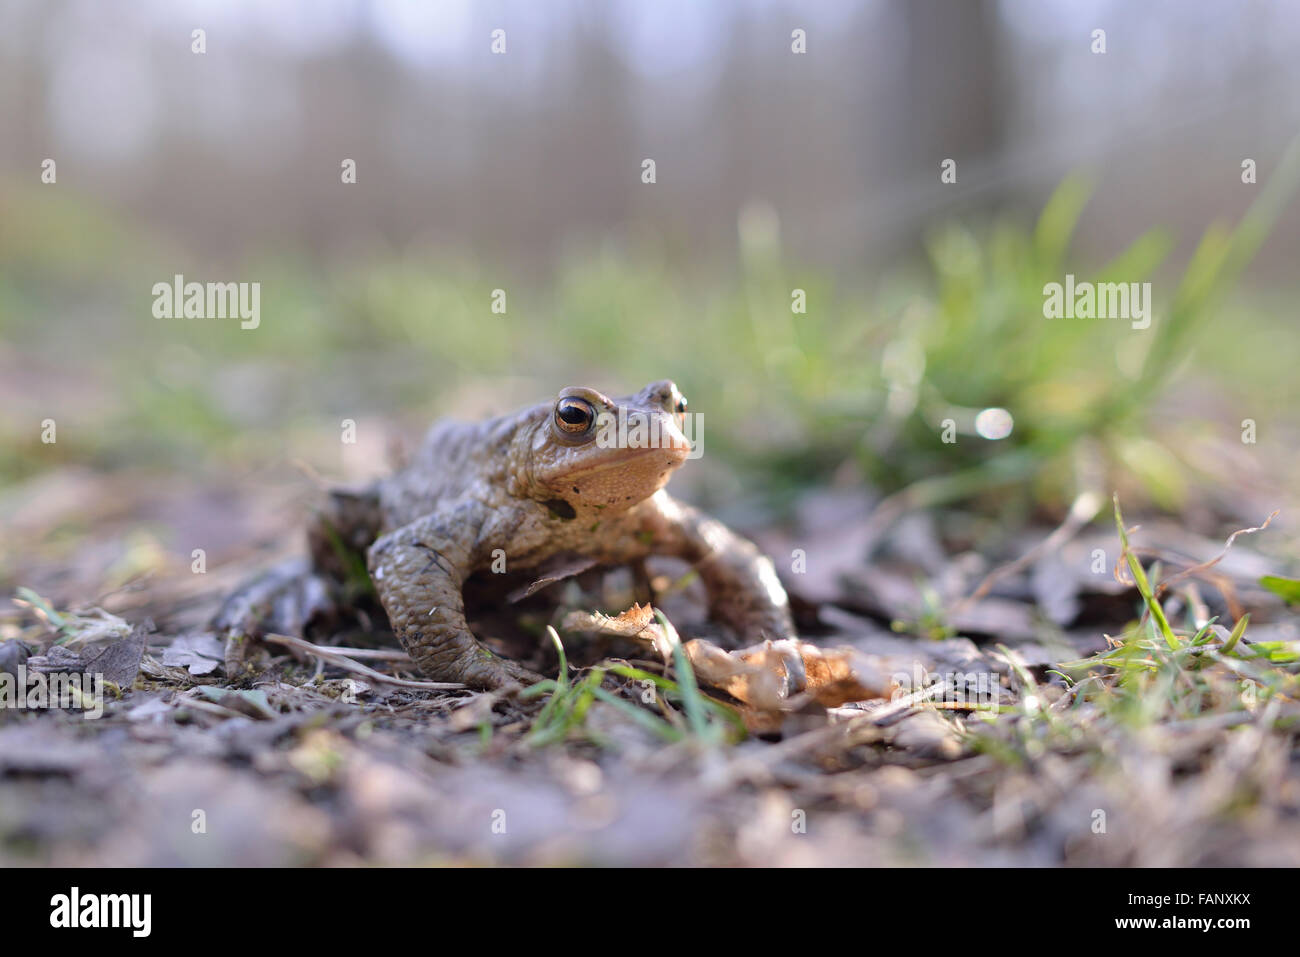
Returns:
(580,475)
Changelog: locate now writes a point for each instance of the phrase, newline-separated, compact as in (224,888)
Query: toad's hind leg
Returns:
(283,599)
(300,592)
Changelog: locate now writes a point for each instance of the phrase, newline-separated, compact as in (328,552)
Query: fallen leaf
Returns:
(630,624)
(636,623)
(786,675)
(201,653)
(12,654)
(251,703)
(118,662)
(155,709)
(556,572)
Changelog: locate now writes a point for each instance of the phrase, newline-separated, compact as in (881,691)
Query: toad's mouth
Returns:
(641,430)
(673,454)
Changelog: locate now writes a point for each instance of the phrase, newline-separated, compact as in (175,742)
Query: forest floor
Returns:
(1036,707)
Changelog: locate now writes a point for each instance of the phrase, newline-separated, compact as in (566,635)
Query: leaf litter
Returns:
(934,712)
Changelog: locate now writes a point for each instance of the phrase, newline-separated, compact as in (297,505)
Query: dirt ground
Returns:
(299,761)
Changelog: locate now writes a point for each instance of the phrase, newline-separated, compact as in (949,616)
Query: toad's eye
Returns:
(681,405)
(574,415)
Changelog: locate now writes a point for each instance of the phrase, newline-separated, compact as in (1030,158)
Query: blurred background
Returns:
(775,171)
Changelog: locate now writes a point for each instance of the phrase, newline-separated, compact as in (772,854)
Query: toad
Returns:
(582,474)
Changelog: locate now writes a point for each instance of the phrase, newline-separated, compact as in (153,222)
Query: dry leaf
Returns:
(789,674)
(117,663)
(636,623)
(554,572)
(630,624)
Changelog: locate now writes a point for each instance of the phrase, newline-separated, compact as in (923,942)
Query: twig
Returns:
(1201,569)
(1164,585)
(901,707)
(347,664)
(380,654)
(208,707)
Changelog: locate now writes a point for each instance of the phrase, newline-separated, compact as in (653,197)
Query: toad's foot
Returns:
(473,664)
(418,571)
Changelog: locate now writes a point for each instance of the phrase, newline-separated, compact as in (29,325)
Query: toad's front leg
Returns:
(744,591)
(418,571)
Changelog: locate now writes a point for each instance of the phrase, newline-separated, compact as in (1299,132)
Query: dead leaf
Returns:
(553,573)
(117,663)
(201,653)
(12,654)
(253,703)
(777,677)
(154,710)
(630,624)
(784,676)
(636,623)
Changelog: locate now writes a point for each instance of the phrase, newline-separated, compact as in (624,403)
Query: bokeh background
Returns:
(522,172)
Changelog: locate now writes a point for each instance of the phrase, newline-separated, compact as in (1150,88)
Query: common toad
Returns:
(581,474)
